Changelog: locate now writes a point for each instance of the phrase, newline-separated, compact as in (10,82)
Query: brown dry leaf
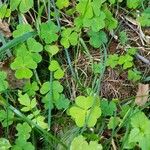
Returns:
(4,28)
(142,94)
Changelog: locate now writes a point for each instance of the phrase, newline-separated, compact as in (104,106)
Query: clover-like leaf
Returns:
(80,142)
(6,117)
(52,49)
(22,29)
(3,82)
(69,37)
(97,38)
(144,19)
(31,88)
(112,60)
(84,7)
(22,65)
(28,104)
(133,3)
(23,131)
(84,111)
(61,4)
(23,5)
(126,61)
(134,75)
(4,144)
(48,32)
(4,11)
(96,23)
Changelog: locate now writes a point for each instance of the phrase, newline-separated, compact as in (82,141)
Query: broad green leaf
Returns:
(61,4)
(45,88)
(123,38)
(59,74)
(108,108)
(54,65)
(4,11)
(113,122)
(23,131)
(3,82)
(48,32)
(134,75)
(52,49)
(134,3)
(144,19)
(31,88)
(79,143)
(86,111)
(112,60)
(28,104)
(69,37)
(22,29)
(23,5)
(84,7)
(6,117)
(97,38)
(4,144)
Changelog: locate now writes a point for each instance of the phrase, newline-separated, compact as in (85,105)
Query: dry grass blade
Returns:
(142,94)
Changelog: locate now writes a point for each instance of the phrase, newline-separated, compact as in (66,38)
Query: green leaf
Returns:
(84,7)
(144,19)
(22,65)
(69,37)
(52,49)
(45,88)
(62,4)
(97,38)
(134,75)
(24,5)
(22,29)
(6,117)
(31,88)
(126,61)
(123,38)
(113,122)
(112,1)
(59,74)
(132,51)
(112,60)
(134,3)
(97,68)
(28,104)
(3,82)
(79,143)
(4,144)
(108,108)
(62,102)
(110,21)
(54,65)
(84,111)
(4,11)
(94,22)
(48,32)
(23,131)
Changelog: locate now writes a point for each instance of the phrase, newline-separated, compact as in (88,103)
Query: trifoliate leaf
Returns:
(4,144)
(31,88)
(22,29)
(61,4)
(84,7)
(6,117)
(133,3)
(48,32)
(28,104)
(84,111)
(112,60)
(22,65)
(23,131)
(52,49)
(69,37)
(134,75)
(108,108)
(144,19)
(3,82)
(97,38)
(80,143)
(24,5)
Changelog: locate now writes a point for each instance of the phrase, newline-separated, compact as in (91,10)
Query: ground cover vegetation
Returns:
(74,74)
